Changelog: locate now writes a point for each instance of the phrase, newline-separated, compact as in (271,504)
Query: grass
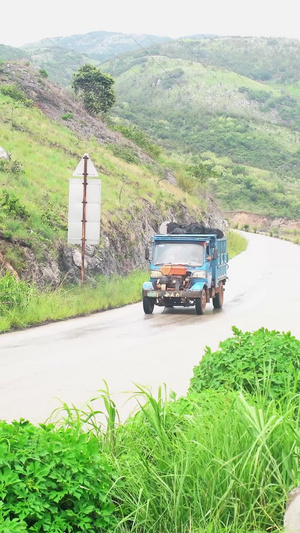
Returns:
(104,293)
(236,244)
(45,154)
(213,462)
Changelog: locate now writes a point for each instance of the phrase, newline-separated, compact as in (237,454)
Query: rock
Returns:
(3,154)
(292,515)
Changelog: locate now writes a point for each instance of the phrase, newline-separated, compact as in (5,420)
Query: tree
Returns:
(95,88)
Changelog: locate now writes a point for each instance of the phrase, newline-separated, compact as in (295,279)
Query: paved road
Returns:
(67,361)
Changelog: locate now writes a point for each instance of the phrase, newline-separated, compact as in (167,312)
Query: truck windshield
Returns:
(175,253)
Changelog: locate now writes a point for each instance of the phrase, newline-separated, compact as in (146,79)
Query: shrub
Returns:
(264,360)
(13,293)
(53,480)
(15,94)
(67,116)
(127,153)
(211,462)
(43,73)
(11,205)
(15,167)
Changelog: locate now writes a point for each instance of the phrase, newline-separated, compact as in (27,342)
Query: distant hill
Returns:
(227,109)
(62,56)
(11,54)
(259,58)
(241,133)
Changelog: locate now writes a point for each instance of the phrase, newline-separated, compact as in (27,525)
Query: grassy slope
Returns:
(192,109)
(48,153)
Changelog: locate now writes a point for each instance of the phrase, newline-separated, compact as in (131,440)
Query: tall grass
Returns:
(104,293)
(213,463)
(236,243)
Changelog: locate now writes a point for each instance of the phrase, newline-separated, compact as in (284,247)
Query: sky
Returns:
(25,21)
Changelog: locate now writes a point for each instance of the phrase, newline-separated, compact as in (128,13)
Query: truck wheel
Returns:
(148,305)
(218,300)
(201,303)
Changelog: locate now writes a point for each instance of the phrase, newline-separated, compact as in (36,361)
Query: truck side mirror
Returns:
(147,253)
(215,254)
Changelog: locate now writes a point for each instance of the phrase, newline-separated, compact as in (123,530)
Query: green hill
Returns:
(204,113)
(47,132)
(62,56)
(226,109)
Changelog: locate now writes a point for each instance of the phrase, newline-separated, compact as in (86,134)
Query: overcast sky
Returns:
(24,21)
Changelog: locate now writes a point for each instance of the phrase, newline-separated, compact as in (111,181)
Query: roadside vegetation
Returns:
(22,304)
(219,460)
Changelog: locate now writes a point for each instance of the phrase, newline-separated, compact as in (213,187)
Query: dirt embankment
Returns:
(280,227)
(261,222)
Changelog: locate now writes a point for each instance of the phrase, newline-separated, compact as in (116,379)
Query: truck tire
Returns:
(200,303)
(218,300)
(148,305)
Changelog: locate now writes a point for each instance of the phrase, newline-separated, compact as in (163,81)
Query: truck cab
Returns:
(186,270)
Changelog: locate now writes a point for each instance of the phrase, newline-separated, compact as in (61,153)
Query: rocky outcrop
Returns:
(3,154)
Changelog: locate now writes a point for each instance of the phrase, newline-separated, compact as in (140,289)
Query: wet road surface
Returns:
(67,361)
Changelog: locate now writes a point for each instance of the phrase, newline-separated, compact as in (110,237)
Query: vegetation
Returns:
(200,114)
(139,138)
(53,480)
(34,182)
(219,460)
(253,362)
(23,305)
(96,89)
(235,243)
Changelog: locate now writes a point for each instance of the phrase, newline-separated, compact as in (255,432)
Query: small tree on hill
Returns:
(95,88)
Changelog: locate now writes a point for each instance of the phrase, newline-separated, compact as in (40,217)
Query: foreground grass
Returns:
(208,463)
(104,293)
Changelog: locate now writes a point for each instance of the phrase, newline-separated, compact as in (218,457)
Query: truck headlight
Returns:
(199,274)
(156,274)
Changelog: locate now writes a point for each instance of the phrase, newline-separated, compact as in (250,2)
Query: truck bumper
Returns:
(187,295)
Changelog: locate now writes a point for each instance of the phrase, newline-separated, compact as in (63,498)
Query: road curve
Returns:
(67,361)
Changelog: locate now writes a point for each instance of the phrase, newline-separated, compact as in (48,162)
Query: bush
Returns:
(67,116)
(211,462)
(43,73)
(15,94)
(53,481)
(127,153)
(11,205)
(13,293)
(268,361)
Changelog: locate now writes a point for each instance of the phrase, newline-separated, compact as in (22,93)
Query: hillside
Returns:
(241,134)
(46,132)
(61,56)
(226,110)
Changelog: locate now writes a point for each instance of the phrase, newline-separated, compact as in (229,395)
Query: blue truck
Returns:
(186,270)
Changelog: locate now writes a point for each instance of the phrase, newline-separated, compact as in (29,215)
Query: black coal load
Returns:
(173,228)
